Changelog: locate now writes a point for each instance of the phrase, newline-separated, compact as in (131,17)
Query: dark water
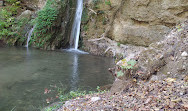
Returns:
(24,74)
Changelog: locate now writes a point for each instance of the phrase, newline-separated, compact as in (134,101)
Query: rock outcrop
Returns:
(142,22)
(107,47)
(167,58)
(33,5)
(133,22)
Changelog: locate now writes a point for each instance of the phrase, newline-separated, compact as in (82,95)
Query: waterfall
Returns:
(76,25)
(29,36)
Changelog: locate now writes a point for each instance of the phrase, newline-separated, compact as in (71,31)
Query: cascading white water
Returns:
(76,25)
(29,36)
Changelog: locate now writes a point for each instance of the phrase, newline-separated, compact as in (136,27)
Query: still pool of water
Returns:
(24,74)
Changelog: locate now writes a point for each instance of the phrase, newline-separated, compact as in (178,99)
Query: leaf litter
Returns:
(160,95)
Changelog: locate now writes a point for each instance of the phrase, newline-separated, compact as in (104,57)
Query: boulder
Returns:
(94,99)
(26,14)
(108,47)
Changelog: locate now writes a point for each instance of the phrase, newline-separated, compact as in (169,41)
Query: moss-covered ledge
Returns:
(53,24)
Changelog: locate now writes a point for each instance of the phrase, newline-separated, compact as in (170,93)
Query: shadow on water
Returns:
(25,73)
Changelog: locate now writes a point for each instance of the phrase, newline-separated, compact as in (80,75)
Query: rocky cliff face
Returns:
(142,22)
(132,22)
(167,58)
(39,13)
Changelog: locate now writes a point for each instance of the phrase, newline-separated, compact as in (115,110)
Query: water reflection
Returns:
(25,73)
(28,52)
(75,73)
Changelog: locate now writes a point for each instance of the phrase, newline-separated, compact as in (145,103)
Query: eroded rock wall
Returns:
(133,22)
(142,22)
(167,58)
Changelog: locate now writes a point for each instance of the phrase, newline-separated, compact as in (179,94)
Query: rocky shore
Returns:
(160,95)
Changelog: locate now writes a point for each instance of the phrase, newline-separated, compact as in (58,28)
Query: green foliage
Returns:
(126,65)
(107,2)
(101,12)
(63,96)
(45,19)
(13,6)
(6,18)
(179,27)
(104,21)
(131,64)
(120,73)
(78,93)
(95,3)
(44,23)
(98,88)
(86,27)
(52,108)
(118,44)
(85,16)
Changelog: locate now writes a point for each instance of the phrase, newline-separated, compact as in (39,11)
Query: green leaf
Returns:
(131,62)
(120,73)
(180,30)
(129,67)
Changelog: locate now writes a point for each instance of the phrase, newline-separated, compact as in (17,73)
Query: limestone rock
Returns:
(26,14)
(154,78)
(184,54)
(130,22)
(160,60)
(94,99)
(142,22)
(107,47)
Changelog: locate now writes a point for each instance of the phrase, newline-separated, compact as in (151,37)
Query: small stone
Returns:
(93,99)
(67,103)
(181,93)
(184,54)
(168,73)
(154,78)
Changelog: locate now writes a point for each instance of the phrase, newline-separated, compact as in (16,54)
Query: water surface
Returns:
(24,74)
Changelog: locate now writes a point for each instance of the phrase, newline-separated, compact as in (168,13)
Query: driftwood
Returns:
(93,11)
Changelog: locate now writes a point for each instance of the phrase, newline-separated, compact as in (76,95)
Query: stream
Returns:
(26,73)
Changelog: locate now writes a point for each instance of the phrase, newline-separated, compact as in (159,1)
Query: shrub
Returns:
(107,2)
(6,18)
(44,23)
